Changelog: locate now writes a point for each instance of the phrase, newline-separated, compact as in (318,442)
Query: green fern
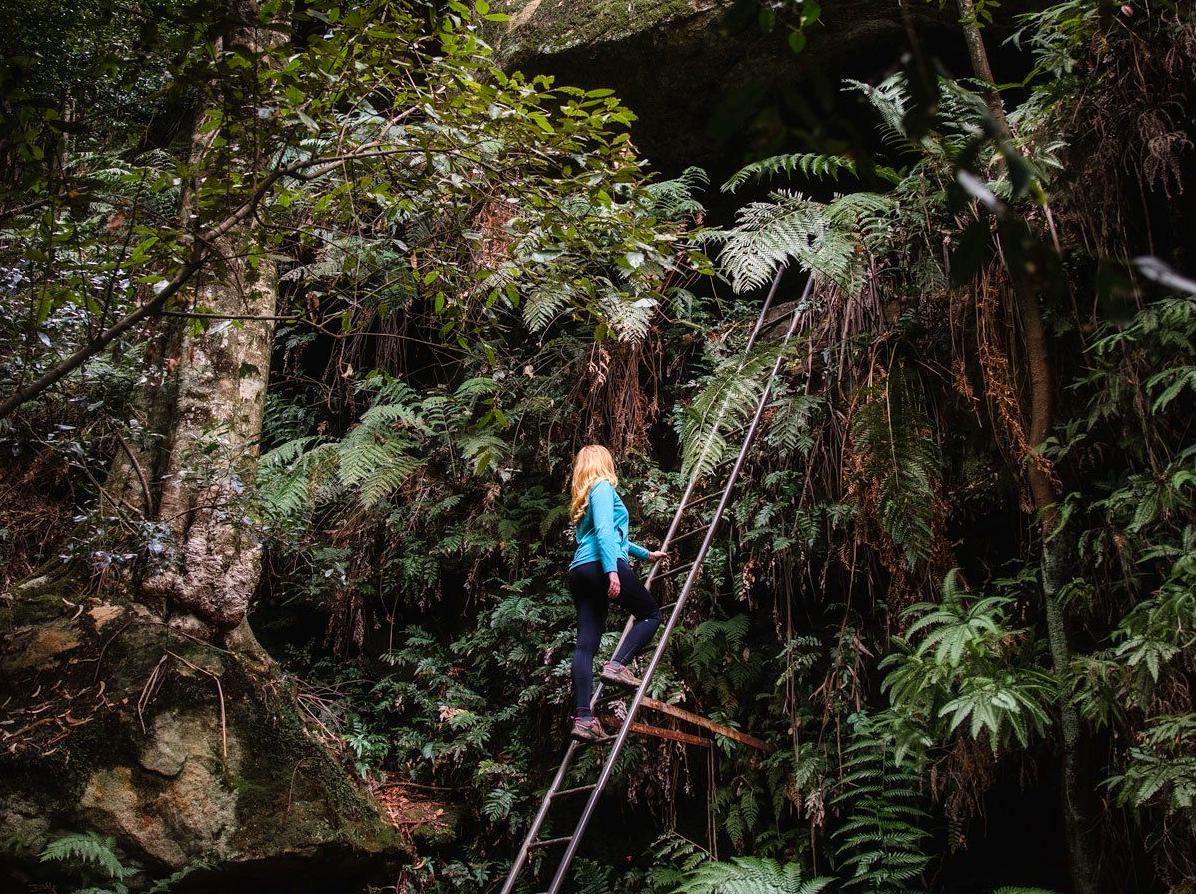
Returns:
(545,303)
(810,164)
(89,849)
(727,400)
(958,624)
(673,857)
(628,315)
(674,199)
(165,884)
(826,238)
(959,675)
(749,875)
(880,844)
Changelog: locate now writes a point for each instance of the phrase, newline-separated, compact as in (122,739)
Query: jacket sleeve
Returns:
(636,550)
(602,504)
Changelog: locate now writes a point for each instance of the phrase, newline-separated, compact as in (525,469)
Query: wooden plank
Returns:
(671,734)
(698,720)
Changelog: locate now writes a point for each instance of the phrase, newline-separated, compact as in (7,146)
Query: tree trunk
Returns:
(216,404)
(979,58)
(1074,792)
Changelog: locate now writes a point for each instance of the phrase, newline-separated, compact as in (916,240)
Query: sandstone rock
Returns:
(224,774)
(40,646)
(112,803)
(698,72)
(103,613)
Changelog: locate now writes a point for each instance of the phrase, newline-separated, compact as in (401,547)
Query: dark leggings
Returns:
(588,583)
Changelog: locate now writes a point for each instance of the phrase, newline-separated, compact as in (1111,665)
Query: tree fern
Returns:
(820,237)
(767,235)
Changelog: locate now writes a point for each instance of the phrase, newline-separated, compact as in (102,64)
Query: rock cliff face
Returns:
(696,71)
(179,750)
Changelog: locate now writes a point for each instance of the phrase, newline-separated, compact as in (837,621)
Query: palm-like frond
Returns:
(810,164)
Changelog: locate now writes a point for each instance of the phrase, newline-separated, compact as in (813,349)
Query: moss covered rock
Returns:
(181,751)
(701,75)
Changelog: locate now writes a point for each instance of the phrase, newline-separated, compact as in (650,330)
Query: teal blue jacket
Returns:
(602,531)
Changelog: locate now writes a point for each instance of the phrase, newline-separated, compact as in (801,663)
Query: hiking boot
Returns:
(587,729)
(619,675)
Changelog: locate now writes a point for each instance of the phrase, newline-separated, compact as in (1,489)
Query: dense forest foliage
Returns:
(307,307)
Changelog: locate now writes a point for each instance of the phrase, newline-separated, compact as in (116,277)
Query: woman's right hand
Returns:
(613,590)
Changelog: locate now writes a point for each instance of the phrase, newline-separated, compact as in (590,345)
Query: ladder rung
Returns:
(703,500)
(614,695)
(673,571)
(545,842)
(698,530)
(665,608)
(575,790)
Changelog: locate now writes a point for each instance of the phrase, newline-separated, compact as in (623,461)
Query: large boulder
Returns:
(697,71)
(181,751)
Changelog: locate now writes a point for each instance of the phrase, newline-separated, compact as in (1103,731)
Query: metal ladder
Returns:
(691,569)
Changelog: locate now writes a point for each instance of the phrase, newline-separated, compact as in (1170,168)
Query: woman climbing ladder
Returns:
(599,573)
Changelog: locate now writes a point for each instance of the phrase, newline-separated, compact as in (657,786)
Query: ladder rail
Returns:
(612,756)
(684,504)
(534,831)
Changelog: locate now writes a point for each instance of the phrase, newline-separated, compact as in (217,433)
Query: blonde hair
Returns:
(593,464)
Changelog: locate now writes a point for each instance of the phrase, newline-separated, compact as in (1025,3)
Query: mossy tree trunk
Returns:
(1075,785)
(204,413)
(1074,791)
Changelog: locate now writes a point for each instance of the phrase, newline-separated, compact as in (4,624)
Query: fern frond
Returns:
(727,400)
(630,317)
(900,462)
(484,450)
(749,875)
(811,164)
(544,303)
(87,848)
(768,235)
(674,199)
(881,840)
